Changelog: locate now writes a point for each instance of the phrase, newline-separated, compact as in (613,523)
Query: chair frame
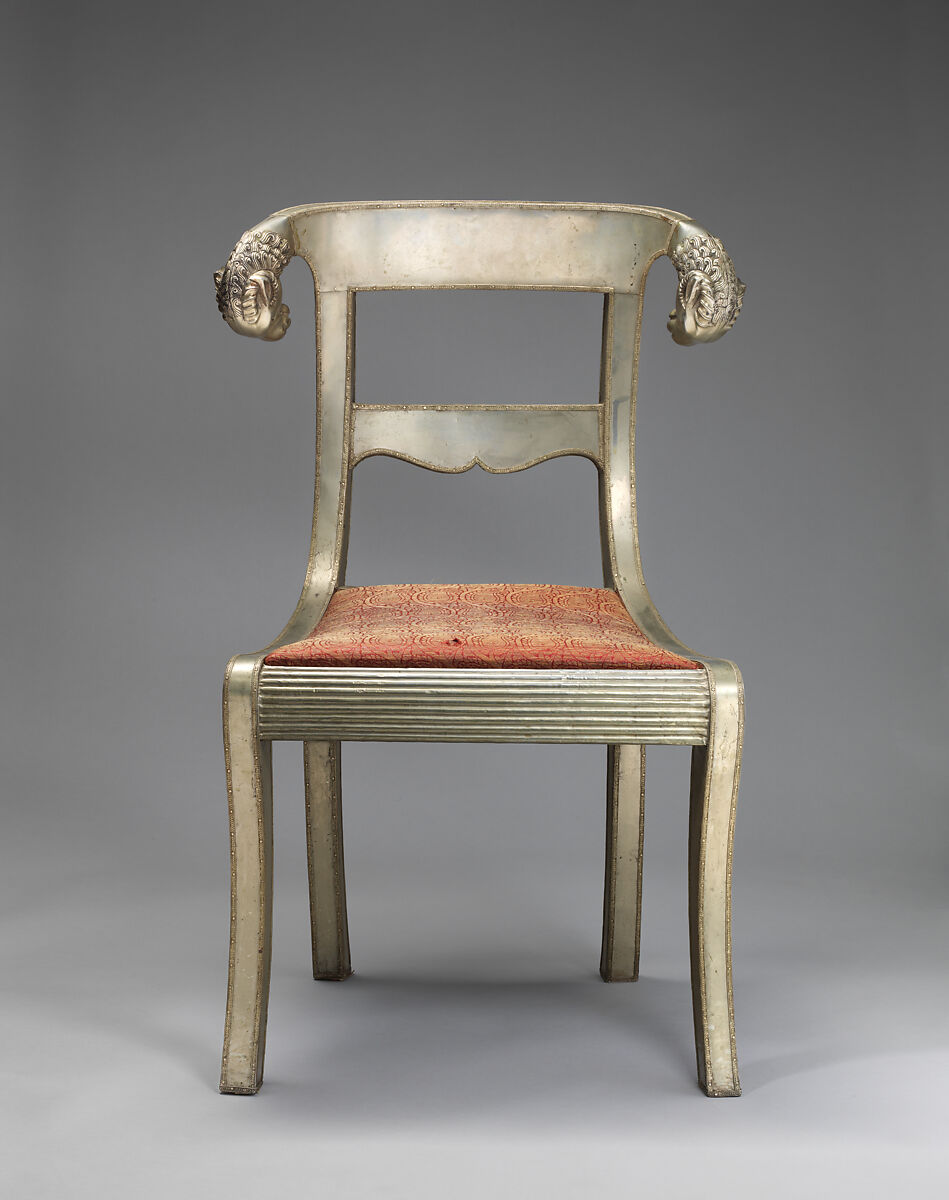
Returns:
(352,248)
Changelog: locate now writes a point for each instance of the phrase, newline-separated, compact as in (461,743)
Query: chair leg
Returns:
(714,790)
(329,929)
(250,802)
(622,894)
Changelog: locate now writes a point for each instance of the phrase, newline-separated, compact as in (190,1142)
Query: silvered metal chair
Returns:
(342,669)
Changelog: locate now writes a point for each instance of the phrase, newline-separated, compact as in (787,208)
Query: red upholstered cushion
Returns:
(476,625)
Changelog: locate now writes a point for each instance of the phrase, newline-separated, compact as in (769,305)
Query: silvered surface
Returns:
(249,293)
(454,438)
(324,844)
(709,295)
(480,244)
(444,704)
(623,889)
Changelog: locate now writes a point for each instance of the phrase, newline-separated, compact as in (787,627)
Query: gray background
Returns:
(156,479)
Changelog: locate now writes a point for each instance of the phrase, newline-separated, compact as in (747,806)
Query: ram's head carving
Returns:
(709,294)
(249,294)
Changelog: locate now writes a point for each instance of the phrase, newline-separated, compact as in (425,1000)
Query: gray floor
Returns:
(475,1052)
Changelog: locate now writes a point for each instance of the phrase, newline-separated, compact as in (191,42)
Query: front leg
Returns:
(250,803)
(715,771)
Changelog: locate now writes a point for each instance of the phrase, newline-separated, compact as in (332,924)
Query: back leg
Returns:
(622,896)
(329,928)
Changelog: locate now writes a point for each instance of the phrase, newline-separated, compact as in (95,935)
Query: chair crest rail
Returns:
(477,244)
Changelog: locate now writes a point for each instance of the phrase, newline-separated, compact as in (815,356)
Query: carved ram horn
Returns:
(709,293)
(249,295)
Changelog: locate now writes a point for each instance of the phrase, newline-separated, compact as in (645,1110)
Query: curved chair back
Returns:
(369,247)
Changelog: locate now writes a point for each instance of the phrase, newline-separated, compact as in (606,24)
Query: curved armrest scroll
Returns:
(249,295)
(709,294)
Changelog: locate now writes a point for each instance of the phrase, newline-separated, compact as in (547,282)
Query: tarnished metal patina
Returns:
(607,248)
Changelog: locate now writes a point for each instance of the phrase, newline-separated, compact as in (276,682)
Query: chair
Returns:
(497,663)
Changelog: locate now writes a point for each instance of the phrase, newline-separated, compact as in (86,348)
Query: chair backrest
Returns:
(352,248)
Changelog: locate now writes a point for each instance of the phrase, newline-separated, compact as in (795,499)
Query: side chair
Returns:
(479,663)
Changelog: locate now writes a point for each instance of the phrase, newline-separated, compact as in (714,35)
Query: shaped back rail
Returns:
(496,437)
(353,248)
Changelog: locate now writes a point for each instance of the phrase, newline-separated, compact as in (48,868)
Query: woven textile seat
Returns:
(477,625)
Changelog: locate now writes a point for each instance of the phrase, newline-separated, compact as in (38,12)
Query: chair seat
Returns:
(501,625)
